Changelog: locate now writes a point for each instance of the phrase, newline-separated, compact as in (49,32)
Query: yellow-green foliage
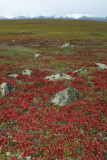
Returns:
(17,51)
(55,29)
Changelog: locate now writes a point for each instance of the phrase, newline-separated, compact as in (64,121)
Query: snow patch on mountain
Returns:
(64,16)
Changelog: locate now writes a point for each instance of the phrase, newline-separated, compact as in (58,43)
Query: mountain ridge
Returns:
(73,17)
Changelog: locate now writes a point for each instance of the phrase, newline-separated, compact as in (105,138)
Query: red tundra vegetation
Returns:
(34,128)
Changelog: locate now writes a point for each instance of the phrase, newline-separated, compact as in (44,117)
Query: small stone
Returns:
(13,75)
(27,72)
(37,55)
(19,156)
(102,66)
(82,131)
(80,70)
(67,45)
(28,158)
(8,153)
(5,88)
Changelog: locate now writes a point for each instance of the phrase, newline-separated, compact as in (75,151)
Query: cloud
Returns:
(56,7)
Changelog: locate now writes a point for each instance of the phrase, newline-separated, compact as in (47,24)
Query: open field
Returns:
(54,29)
(32,127)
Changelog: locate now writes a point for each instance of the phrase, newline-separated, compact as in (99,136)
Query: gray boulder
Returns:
(59,76)
(67,96)
(102,66)
(27,72)
(5,88)
(67,45)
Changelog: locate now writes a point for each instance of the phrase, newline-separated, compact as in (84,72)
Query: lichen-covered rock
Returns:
(27,72)
(37,55)
(59,76)
(67,96)
(67,45)
(5,88)
(102,66)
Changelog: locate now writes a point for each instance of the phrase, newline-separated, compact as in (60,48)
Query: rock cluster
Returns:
(6,87)
(67,96)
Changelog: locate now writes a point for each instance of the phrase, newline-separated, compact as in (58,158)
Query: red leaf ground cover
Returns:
(33,126)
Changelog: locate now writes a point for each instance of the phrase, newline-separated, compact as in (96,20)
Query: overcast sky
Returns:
(52,7)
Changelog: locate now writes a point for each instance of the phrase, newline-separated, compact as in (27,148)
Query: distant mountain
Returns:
(93,18)
(73,16)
